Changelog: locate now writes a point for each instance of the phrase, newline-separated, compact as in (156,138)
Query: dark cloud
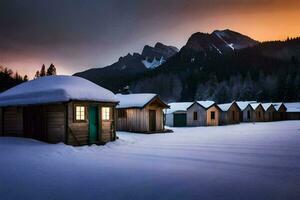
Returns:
(80,33)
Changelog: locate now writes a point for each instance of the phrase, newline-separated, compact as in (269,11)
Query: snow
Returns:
(247,161)
(225,106)
(51,89)
(243,104)
(220,52)
(154,63)
(221,35)
(266,105)
(293,107)
(206,104)
(255,105)
(178,106)
(134,100)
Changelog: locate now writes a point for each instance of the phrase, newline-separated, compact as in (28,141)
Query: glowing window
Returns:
(80,113)
(105,113)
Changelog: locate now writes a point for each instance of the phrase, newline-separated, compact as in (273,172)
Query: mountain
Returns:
(129,66)
(220,66)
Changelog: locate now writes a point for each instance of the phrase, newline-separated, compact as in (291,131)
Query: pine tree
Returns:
(43,71)
(37,74)
(25,78)
(51,70)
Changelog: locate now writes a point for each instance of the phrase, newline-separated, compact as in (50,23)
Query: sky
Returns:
(76,35)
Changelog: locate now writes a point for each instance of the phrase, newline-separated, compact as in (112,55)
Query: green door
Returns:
(93,124)
(179,120)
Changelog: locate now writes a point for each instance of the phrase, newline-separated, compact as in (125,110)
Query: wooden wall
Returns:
(170,119)
(293,115)
(13,121)
(78,132)
(231,116)
(245,114)
(259,117)
(137,120)
(270,114)
(216,121)
(201,115)
(55,116)
(281,114)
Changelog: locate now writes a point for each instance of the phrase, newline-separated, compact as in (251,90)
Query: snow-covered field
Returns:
(246,161)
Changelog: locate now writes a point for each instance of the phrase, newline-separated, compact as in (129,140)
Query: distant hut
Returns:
(196,113)
(230,113)
(270,112)
(259,112)
(56,109)
(281,110)
(293,111)
(176,116)
(141,113)
(247,113)
(213,115)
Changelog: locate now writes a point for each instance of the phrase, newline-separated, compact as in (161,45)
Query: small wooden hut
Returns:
(56,109)
(281,110)
(270,112)
(197,113)
(176,116)
(213,115)
(230,113)
(247,113)
(259,112)
(141,113)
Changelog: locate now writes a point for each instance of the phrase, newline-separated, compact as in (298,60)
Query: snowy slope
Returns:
(51,89)
(258,161)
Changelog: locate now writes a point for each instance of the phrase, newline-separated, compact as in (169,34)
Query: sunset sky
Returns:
(76,35)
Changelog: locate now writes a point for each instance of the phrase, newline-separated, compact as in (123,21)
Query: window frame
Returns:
(75,114)
(102,113)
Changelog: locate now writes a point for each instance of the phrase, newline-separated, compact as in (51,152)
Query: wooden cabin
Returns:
(213,115)
(281,110)
(270,112)
(176,115)
(259,112)
(196,113)
(230,113)
(247,113)
(142,113)
(55,109)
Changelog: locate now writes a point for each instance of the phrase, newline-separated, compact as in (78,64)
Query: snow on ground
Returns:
(246,161)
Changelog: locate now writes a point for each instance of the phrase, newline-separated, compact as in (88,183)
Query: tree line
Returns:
(9,78)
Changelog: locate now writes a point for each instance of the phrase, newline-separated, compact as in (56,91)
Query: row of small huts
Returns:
(76,111)
(208,113)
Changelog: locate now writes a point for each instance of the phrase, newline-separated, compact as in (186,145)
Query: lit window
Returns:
(105,113)
(79,113)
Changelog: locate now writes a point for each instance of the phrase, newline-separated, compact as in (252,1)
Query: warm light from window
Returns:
(80,113)
(105,113)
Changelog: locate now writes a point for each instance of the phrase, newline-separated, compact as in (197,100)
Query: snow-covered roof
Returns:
(178,106)
(225,106)
(134,100)
(266,106)
(292,107)
(206,104)
(51,89)
(277,105)
(255,105)
(243,104)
